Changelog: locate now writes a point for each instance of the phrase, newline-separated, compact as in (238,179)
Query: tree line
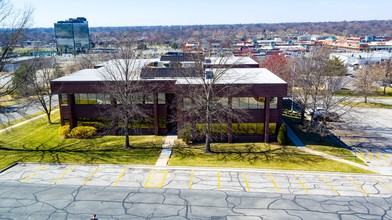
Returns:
(168,34)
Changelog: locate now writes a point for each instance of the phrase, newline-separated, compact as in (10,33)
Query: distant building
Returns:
(72,35)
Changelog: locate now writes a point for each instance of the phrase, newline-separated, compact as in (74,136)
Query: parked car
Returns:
(309,111)
(9,109)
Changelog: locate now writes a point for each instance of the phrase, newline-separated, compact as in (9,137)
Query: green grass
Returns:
(38,142)
(376,94)
(339,152)
(28,50)
(16,121)
(256,155)
(323,144)
(388,91)
(366,105)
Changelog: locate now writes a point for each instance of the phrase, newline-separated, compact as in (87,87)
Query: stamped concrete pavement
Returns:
(240,180)
(46,191)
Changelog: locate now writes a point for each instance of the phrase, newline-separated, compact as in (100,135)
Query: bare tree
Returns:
(365,81)
(13,23)
(307,80)
(34,78)
(204,94)
(127,91)
(386,71)
(318,80)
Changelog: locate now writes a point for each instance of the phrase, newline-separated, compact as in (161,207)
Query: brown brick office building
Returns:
(82,98)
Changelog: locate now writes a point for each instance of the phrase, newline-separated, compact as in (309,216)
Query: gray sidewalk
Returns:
(166,152)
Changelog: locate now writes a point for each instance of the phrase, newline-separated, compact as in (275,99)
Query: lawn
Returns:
(339,152)
(324,144)
(39,142)
(255,155)
(366,105)
(375,94)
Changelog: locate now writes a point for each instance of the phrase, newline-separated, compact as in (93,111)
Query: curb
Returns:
(9,167)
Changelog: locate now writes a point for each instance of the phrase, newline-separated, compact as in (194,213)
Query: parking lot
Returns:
(366,129)
(289,182)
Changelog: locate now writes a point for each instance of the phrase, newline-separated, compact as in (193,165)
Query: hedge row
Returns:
(80,132)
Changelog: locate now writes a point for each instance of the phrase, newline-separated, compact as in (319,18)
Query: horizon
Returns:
(218,12)
(186,25)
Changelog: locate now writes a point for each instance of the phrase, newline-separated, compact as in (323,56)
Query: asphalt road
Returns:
(23,110)
(367,127)
(42,191)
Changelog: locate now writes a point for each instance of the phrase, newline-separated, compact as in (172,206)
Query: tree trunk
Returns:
(208,136)
(385,89)
(208,145)
(127,145)
(366,99)
(48,117)
(208,127)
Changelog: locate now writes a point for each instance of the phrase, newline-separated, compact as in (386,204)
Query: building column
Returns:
(266,119)
(230,122)
(71,103)
(156,119)
(280,112)
(60,98)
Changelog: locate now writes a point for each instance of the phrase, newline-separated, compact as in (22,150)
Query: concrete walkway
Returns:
(331,157)
(166,152)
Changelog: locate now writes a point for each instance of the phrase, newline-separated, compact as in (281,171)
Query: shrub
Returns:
(186,134)
(64,131)
(83,132)
(95,124)
(283,139)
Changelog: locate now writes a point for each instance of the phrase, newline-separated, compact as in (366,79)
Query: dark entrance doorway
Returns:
(171,122)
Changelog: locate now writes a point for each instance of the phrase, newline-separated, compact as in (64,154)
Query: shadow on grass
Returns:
(249,154)
(310,138)
(65,152)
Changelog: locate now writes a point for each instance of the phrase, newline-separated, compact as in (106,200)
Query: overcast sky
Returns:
(189,12)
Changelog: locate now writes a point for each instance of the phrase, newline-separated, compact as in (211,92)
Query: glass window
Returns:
(63,99)
(148,99)
(260,102)
(103,99)
(252,103)
(136,98)
(187,103)
(161,98)
(244,103)
(248,103)
(235,103)
(273,103)
(221,102)
(92,99)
